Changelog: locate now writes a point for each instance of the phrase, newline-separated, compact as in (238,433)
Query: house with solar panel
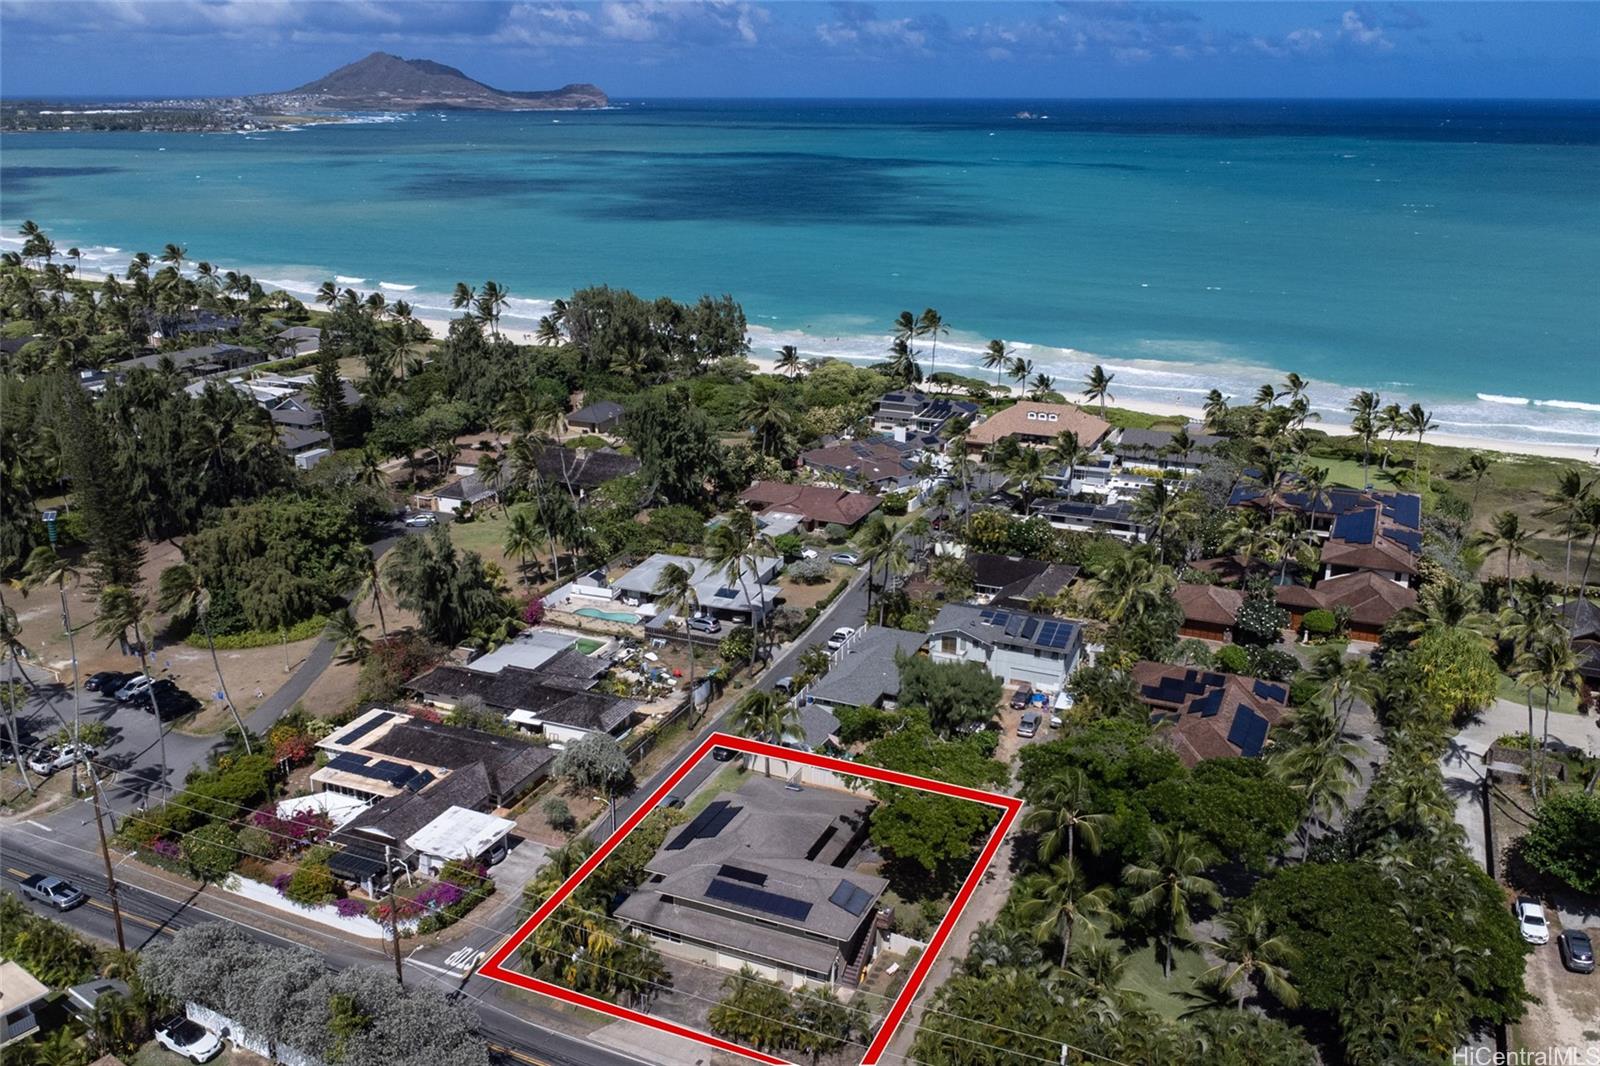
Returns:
(1363,531)
(766,877)
(1015,646)
(1208,715)
(414,775)
(917,411)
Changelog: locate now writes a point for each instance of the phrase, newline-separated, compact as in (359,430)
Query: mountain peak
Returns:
(385,82)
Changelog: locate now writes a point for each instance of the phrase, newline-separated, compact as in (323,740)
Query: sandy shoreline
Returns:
(1580,452)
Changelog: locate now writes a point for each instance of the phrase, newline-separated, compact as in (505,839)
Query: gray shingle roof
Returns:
(1006,627)
(867,673)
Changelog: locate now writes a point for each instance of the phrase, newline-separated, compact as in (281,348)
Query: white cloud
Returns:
(1355,29)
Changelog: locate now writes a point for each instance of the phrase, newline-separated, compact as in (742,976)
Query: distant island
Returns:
(380,82)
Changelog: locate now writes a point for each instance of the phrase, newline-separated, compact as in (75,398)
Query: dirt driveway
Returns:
(1568,1012)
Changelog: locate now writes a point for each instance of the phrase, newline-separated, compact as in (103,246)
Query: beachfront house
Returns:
(917,411)
(1037,425)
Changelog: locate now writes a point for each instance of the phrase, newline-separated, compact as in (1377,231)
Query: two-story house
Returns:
(1015,646)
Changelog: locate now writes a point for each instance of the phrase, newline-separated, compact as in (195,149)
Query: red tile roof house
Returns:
(1208,611)
(816,505)
(1209,715)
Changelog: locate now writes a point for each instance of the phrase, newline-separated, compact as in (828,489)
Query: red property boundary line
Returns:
(494,968)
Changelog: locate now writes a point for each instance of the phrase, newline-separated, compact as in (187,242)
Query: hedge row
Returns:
(262,638)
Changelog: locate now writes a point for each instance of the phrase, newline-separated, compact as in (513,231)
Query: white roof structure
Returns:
(530,650)
(459,833)
(338,806)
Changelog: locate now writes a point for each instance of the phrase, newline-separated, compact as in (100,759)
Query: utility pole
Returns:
(394,914)
(105,851)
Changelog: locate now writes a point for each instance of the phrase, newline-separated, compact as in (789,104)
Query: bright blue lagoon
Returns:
(1448,253)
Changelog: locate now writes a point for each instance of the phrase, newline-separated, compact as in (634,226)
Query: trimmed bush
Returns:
(1231,659)
(1270,664)
(1319,623)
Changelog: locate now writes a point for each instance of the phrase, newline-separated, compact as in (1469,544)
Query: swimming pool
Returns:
(625,617)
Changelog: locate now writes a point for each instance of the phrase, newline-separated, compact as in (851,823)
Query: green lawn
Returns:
(484,534)
(1564,703)
(726,779)
(1122,418)
(1163,995)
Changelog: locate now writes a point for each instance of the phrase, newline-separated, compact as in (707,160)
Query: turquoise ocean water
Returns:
(1447,253)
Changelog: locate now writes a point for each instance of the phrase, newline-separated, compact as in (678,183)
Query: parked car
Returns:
(422,519)
(808,553)
(170,700)
(1531,922)
(1577,951)
(840,635)
(105,681)
(724,754)
(190,1039)
(784,684)
(845,558)
(672,803)
(1029,724)
(704,623)
(50,760)
(133,688)
(53,891)
(1020,698)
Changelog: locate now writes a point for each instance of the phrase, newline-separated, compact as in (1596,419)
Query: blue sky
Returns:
(752,48)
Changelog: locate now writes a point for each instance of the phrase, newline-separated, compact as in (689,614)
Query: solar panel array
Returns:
(850,896)
(363,729)
(1208,705)
(1410,539)
(1356,527)
(1055,634)
(1248,732)
(739,873)
(707,824)
(758,899)
(398,774)
(1268,691)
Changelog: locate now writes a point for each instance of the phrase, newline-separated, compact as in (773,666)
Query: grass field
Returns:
(1564,703)
(485,534)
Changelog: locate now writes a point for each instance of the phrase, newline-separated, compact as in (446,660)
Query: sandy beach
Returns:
(1583,453)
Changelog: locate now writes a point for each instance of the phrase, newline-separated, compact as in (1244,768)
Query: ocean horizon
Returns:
(1445,252)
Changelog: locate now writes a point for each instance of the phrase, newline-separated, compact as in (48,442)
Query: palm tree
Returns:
(1062,814)
(1506,536)
(1150,508)
(789,361)
(1216,410)
(522,536)
(121,610)
(1551,665)
(767,716)
(1028,472)
(1566,505)
(1478,465)
(11,693)
(492,300)
(364,566)
(349,637)
(1172,883)
(1448,603)
(931,324)
(1314,758)
(1068,451)
(765,412)
(1363,410)
(903,363)
(1021,369)
(174,255)
(183,595)
(1341,677)
(1041,386)
(464,297)
(1097,386)
(1062,900)
(1391,420)
(45,567)
(675,591)
(1419,422)
(906,331)
(875,539)
(1249,952)
(997,357)
(1591,522)
(731,548)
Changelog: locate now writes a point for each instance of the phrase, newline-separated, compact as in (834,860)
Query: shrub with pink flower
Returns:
(533,610)
(350,908)
(167,849)
(281,883)
(440,895)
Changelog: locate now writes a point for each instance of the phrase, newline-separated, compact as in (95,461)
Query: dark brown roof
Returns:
(1209,604)
(1381,554)
(1210,715)
(1370,598)
(815,503)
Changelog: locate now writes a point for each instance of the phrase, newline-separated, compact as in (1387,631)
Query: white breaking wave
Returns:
(1489,397)
(396,286)
(344,280)
(1569,405)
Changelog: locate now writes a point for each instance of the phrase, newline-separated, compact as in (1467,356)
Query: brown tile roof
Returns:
(1200,708)
(1371,599)
(1210,604)
(815,503)
(868,460)
(1014,420)
(1381,554)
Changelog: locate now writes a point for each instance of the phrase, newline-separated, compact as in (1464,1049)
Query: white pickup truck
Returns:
(52,891)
